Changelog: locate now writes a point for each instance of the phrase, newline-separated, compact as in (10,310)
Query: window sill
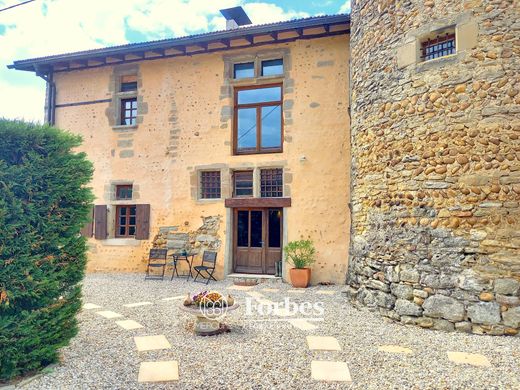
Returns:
(437,62)
(121,242)
(248,153)
(124,128)
(127,94)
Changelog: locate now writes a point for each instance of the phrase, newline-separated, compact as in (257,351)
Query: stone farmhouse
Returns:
(390,137)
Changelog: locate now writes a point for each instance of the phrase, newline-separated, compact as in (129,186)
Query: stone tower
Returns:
(436,163)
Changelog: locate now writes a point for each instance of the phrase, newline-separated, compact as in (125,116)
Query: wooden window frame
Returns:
(235,173)
(261,70)
(127,225)
(123,117)
(258,107)
(124,186)
(206,190)
(267,188)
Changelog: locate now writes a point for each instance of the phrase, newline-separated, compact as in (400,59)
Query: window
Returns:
(439,46)
(272,67)
(242,71)
(125,221)
(243,183)
(271,183)
(258,119)
(124,192)
(128,83)
(128,111)
(210,185)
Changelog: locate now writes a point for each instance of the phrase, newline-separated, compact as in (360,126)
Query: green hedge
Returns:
(44,202)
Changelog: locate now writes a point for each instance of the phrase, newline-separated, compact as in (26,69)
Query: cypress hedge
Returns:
(44,202)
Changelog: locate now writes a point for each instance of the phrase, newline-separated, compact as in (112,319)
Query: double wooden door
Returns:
(257,240)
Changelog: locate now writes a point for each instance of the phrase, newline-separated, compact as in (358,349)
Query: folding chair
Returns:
(209,258)
(156,259)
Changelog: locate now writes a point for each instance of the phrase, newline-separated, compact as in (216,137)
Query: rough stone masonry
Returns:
(436,165)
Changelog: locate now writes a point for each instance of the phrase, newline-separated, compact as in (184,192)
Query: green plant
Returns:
(300,253)
(44,202)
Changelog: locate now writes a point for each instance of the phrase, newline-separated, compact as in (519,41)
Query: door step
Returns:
(252,279)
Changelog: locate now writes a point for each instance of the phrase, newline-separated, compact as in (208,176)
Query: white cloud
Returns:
(49,27)
(345,8)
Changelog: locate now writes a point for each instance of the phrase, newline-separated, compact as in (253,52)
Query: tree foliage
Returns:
(44,202)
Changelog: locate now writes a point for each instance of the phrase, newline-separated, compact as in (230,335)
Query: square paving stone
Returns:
(330,371)
(174,298)
(393,349)
(158,371)
(137,304)
(323,343)
(296,291)
(240,288)
(271,289)
(325,292)
(474,359)
(109,314)
(302,324)
(88,306)
(129,324)
(255,294)
(150,343)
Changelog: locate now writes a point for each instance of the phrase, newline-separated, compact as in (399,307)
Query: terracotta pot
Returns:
(300,277)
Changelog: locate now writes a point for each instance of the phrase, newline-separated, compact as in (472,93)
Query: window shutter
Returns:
(88,229)
(100,222)
(142,219)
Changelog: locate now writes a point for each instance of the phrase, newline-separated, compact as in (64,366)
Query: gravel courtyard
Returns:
(266,351)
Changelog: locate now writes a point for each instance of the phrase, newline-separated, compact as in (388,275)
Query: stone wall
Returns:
(436,165)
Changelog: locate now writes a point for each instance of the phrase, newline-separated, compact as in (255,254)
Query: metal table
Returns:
(179,256)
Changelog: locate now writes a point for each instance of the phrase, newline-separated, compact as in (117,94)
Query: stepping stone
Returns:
(475,359)
(302,324)
(240,288)
(151,343)
(109,314)
(267,302)
(282,312)
(174,298)
(138,304)
(393,349)
(330,371)
(88,306)
(295,291)
(129,324)
(323,343)
(271,289)
(255,294)
(325,292)
(158,371)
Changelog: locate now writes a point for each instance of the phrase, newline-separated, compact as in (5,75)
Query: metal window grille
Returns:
(441,46)
(210,184)
(271,183)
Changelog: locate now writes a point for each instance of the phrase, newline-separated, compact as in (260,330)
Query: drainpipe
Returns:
(50,98)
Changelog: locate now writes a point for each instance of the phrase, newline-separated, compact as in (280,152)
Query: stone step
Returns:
(252,279)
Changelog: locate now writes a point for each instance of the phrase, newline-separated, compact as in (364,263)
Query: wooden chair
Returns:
(209,260)
(156,259)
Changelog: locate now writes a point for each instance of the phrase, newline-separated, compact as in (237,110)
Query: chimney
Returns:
(235,17)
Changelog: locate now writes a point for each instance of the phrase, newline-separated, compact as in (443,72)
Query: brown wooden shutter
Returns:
(142,219)
(88,229)
(100,222)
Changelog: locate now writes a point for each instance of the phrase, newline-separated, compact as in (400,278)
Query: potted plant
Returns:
(301,255)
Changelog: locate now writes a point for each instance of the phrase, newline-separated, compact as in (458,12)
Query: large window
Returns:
(125,221)
(243,183)
(271,183)
(210,185)
(128,111)
(258,119)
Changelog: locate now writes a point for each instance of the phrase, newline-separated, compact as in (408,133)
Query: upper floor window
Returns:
(271,183)
(128,111)
(124,191)
(272,67)
(439,45)
(258,119)
(125,221)
(245,70)
(243,183)
(210,185)
(128,83)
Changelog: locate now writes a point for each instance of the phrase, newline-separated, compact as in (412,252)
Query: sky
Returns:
(47,27)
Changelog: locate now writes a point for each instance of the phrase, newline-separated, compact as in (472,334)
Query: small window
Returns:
(124,192)
(128,111)
(243,183)
(242,71)
(210,185)
(271,183)
(125,221)
(128,83)
(440,45)
(272,67)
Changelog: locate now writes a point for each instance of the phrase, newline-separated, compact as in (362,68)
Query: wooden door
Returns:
(257,240)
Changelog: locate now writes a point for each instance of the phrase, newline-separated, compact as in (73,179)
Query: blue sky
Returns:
(46,27)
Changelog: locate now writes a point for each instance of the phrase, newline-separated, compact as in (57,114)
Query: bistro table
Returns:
(188,257)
